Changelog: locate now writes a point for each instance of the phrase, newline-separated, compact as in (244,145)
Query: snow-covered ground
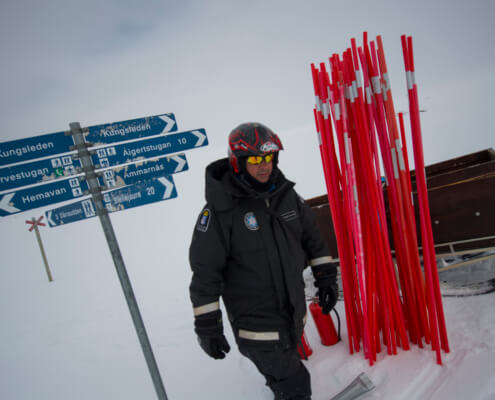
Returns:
(73,339)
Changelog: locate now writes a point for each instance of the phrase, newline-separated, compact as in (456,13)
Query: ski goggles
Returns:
(256,160)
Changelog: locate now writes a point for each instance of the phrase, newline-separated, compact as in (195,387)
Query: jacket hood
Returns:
(223,188)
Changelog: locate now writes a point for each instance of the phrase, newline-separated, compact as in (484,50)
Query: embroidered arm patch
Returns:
(204,220)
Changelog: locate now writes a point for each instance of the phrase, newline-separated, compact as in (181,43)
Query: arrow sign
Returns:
(38,172)
(51,144)
(153,147)
(39,196)
(34,147)
(136,195)
(132,173)
(131,129)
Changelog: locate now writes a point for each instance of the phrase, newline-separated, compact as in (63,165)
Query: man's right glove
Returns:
(209,329)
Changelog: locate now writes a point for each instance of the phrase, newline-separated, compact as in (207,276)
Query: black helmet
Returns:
(251,139)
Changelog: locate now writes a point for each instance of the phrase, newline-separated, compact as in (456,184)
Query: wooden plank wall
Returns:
(461,193)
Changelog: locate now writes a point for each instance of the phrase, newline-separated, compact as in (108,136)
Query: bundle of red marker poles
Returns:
(391,299)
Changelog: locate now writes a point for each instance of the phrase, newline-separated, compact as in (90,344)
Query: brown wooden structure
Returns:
(461,193)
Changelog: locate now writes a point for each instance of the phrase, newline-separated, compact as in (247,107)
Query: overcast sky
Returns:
(218,63)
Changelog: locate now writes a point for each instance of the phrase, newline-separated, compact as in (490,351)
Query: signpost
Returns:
(147,169)
(38,172)
(153,147)
(42,195)
(35,223)
(34,147)
(143,182)
(107,227)
(139,194)
(64,166)
(132,129)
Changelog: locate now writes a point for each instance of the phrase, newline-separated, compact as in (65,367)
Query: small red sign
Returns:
(35,222)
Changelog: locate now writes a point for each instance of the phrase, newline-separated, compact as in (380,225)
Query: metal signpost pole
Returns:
(95,190)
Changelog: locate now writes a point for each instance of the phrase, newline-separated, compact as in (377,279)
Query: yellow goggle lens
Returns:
(256,160)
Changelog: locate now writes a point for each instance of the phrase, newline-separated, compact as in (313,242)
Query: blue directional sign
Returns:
(34,147)
(38,172)
(51,144)
(153,147)
(131,129)
(139,194)
(42,195)
(140,171)
(71,213)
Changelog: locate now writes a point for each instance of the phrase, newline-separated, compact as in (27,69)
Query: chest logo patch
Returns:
(204,220)
(251,222)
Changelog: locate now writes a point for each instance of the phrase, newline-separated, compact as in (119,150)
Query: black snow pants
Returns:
(283,370)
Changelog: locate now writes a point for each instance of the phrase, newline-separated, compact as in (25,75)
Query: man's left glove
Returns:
(327,297)
(326,281)
(209,329)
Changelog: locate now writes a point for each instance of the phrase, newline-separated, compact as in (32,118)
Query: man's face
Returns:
(260,172)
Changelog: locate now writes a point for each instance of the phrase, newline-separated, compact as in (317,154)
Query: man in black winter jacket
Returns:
(250,245)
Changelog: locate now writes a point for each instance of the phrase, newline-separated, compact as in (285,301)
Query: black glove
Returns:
(209,329)
(326,282)
(328,297)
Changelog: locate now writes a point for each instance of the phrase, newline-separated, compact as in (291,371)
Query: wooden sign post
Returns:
(37,222)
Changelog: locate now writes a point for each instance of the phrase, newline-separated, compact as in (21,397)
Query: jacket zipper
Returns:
(267,202)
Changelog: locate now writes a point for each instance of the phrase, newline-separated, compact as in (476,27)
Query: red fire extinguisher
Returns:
(324,325)
(305,351)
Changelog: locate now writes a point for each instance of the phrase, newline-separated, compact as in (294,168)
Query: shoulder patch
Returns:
(204,220)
